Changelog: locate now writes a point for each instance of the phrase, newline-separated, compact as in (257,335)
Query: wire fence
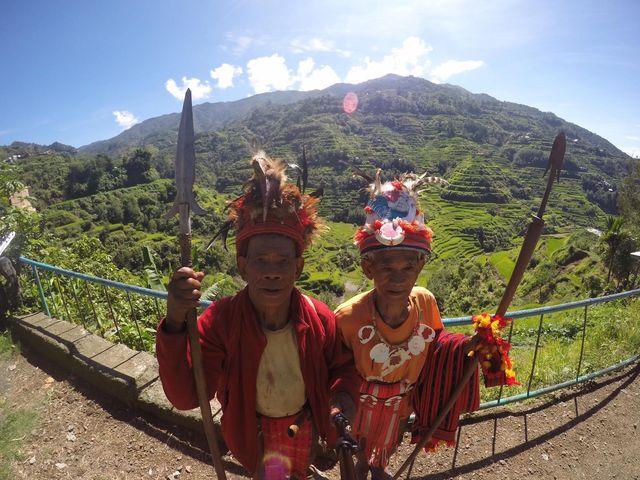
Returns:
(554,347)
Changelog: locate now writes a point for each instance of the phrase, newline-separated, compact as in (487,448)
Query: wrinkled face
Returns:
(270,269)
(394,273)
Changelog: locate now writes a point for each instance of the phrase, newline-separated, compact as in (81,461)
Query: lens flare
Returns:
(350,102)
(276,466)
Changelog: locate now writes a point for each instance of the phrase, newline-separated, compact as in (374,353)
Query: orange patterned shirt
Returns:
(383,353)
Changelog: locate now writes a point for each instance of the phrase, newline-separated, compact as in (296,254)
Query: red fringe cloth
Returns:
(382,406)
(285,457)
(441,373)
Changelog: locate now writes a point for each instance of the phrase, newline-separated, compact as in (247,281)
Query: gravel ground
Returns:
(83,434)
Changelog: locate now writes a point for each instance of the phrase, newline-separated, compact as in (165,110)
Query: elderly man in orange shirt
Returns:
(407,361)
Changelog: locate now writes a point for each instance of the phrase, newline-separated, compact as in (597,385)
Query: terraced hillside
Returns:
(493,154)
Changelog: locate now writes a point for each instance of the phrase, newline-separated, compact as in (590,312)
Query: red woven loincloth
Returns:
(285,457)
(377,422)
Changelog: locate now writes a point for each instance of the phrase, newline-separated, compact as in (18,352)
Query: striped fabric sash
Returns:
(377,422)
(442,371)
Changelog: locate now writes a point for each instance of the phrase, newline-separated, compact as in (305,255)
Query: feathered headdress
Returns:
(270,205)
(393,216)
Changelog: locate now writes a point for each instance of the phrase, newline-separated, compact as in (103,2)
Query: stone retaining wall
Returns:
(126,374)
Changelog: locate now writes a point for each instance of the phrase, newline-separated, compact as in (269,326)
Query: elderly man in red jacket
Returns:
(271,354)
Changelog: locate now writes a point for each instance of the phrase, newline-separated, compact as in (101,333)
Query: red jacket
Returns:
(232,344)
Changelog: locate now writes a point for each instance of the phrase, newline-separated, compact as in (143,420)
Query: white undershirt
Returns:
(280,386)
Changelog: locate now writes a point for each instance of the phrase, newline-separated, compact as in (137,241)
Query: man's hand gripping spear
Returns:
(184,203)
(526,251)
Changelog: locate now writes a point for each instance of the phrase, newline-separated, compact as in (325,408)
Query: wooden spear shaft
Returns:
(196,352)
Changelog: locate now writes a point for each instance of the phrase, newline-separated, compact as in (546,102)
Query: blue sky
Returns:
(81,71)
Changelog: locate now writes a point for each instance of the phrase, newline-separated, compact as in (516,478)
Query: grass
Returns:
(612,335)
(8,348)
(14,423)
(554,243)
(503,263)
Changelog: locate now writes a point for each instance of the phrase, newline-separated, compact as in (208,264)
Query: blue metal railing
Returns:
(143,317)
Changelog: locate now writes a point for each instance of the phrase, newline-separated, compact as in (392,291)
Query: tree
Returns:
(629,196)
(138,168)
(612,238)
(131,211)
(543,280)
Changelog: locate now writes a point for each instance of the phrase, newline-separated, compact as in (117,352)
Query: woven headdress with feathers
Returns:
(270,205)
(394,218)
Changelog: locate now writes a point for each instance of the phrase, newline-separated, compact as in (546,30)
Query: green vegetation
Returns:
(612,335)
(15,423)
(8,348)
(103,208)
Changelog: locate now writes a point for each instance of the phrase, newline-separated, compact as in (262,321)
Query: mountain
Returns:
(410,124)
(443,98)
(493,153)
(25,149)
(206,117)
(402,123)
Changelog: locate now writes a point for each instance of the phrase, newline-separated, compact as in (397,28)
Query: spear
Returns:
(526,252)
(185,203)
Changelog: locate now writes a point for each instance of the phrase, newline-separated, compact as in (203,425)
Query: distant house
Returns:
(13,158)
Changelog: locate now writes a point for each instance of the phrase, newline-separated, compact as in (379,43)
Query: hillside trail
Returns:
(83,434)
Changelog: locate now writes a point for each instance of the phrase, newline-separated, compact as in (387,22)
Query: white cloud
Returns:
(409,59)
(631,137)
(305,67)
(224,74)
(199,90)
(125,119)
(243,42)
(450,68)
(312,78)
(239,43)
(317,45)
(269,73)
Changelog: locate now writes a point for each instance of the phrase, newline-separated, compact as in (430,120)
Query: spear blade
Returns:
(185,162)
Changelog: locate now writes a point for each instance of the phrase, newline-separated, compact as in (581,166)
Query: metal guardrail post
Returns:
(43,300)
(535,355)
(584,334)
(135,320)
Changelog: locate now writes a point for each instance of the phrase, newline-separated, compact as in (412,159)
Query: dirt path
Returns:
(83,434)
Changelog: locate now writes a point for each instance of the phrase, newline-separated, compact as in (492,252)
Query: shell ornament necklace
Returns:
(391,356)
